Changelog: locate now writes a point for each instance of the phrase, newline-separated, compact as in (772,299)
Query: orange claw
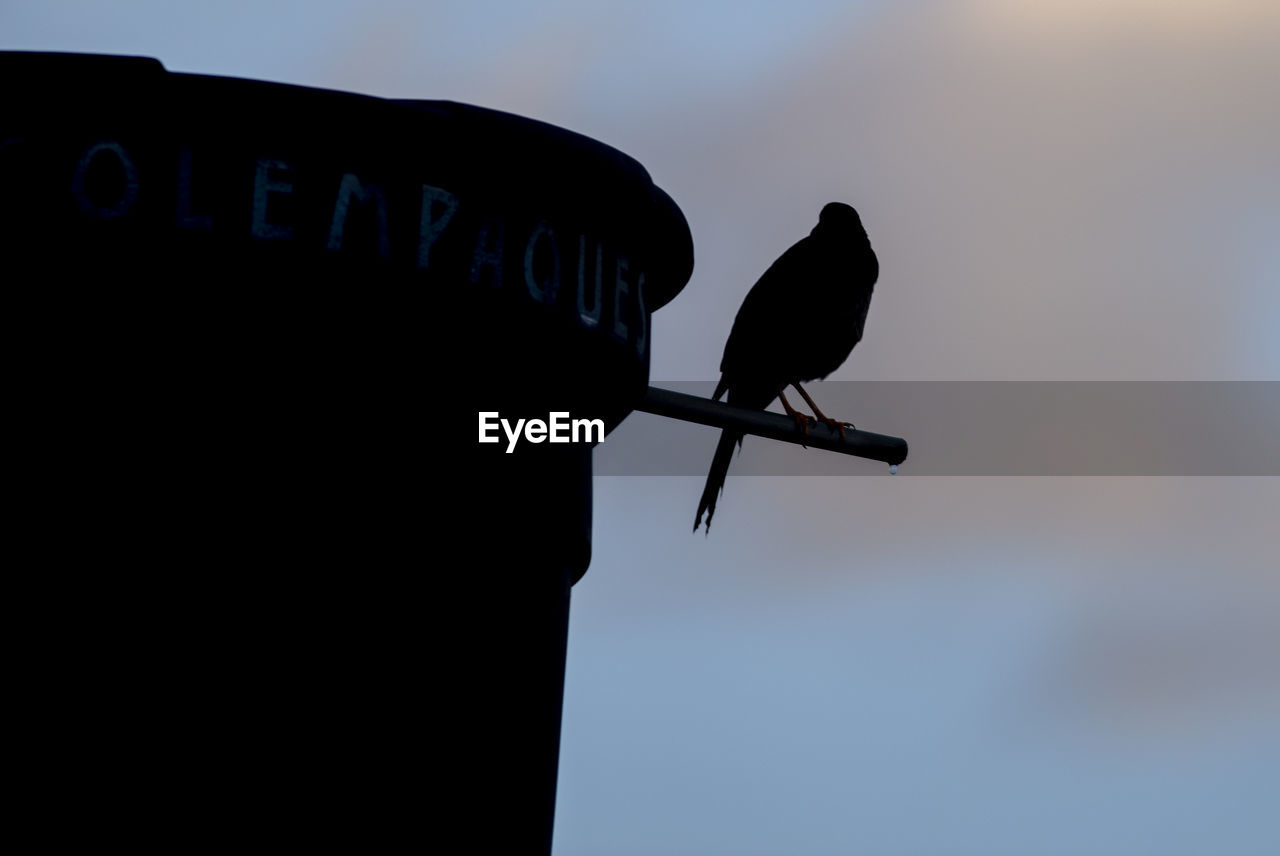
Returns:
(837,425)
(802,420)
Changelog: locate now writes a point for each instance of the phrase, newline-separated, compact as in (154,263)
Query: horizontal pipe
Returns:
(775,426)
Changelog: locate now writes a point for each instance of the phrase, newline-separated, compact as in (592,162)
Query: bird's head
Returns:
(838,214)
(838,220)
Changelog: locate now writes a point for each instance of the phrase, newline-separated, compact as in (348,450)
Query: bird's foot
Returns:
(803,421)
(837,425)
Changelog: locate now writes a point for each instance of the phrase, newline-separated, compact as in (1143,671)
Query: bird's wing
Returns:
(769,306)
(860,309)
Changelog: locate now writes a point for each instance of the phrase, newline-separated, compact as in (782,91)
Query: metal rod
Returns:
(775,426)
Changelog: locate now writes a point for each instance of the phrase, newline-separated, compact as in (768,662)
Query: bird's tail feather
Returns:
(715,478)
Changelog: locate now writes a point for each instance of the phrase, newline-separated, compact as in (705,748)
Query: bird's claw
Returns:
(837,425)
(803,422)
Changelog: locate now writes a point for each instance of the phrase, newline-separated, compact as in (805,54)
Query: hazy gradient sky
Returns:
(1057,190)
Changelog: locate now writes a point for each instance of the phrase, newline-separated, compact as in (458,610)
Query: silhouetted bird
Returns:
(798,322)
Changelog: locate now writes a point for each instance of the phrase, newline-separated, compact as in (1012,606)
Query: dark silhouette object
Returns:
(799,322)
(215,293)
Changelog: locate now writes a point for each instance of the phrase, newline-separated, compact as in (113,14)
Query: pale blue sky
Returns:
(926,666)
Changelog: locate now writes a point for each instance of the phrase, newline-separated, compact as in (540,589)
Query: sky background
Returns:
(1056,190)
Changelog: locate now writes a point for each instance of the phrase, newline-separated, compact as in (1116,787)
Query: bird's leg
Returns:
(836,425)
(802,421)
